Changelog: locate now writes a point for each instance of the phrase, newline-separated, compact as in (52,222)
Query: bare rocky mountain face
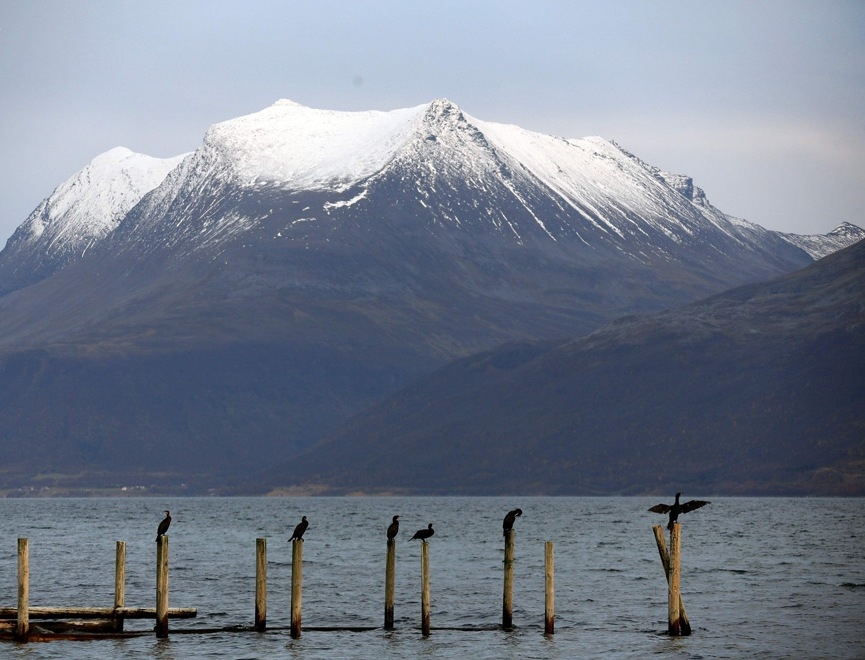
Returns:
(229,308)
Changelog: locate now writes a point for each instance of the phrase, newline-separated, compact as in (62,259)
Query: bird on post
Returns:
(423,534)
(163,526)
(299,530)
(675,509)
(508,523)
(393,528)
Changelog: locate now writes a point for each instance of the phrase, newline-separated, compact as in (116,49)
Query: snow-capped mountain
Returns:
(301,264)
(79,213)
(495,178)
(822,245)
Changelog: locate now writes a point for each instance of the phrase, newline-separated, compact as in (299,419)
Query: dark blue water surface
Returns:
(761,578)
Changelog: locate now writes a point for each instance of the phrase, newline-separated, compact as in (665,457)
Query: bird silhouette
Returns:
(675,509)
(423,534)
(163,526)
(299,530)
(393,528)
(508,522)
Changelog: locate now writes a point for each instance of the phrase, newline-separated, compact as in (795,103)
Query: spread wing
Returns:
(693,504)
(663,508)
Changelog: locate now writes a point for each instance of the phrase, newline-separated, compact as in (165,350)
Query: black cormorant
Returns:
(299,530)
(508,523)
(423,534)
(677,508)
(163,526)
(393,528)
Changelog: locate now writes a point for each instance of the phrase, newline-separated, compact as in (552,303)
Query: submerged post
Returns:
(119,583)
(22,630)
(508,592)
(674,618)
(665,560)
(389,580)
(549,590)
(162,586)
(260,584)
(296,586)
(424,593)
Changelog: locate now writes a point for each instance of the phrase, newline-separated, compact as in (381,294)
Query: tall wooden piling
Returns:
(665,560)
(22,630)
(119,583)
(549,590)
(424,592)
(508,590)
(674,617)
(389,582)
(261,584)
(296,586)
(162,586)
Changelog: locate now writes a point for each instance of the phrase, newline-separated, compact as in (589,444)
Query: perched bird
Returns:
(393,528)
(423,534)
(508,523)
(299,530)
(163,526)
(675,509)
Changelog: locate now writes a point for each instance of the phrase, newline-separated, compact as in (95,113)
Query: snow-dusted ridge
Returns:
(91,203)
(821,245)
(520,182)
(303,148)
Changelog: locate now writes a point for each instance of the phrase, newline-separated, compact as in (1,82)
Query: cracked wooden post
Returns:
(119,583)
(424,595)
(549,590)
(22,629)
(296,586)
(508,590)
(389,582)
(162,586)
(665,560)
(674,619)
(261,584)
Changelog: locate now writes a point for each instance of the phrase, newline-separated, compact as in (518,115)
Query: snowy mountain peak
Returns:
(443,110)
(303,148)
(85,208)
(847,230)
(90,203)
(446,168)
(821,245)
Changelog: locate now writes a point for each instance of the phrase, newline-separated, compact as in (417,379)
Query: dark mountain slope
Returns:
(758,390)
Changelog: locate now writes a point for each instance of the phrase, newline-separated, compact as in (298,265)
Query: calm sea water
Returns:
(761,578)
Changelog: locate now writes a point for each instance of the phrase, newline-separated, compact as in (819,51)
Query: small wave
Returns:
(852,585)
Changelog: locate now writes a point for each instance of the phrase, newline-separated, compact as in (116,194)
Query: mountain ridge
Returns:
(229,308)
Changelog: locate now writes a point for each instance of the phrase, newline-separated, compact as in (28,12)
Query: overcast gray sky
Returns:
(761,101)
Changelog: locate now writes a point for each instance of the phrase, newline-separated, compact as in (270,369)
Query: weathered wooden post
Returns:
(119,583)
(162,586)
(665,560)
(296,586)
(389,581)
(22,630)
(424,593)
(674,627)
(508,592)
(261,584)
(549,590)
